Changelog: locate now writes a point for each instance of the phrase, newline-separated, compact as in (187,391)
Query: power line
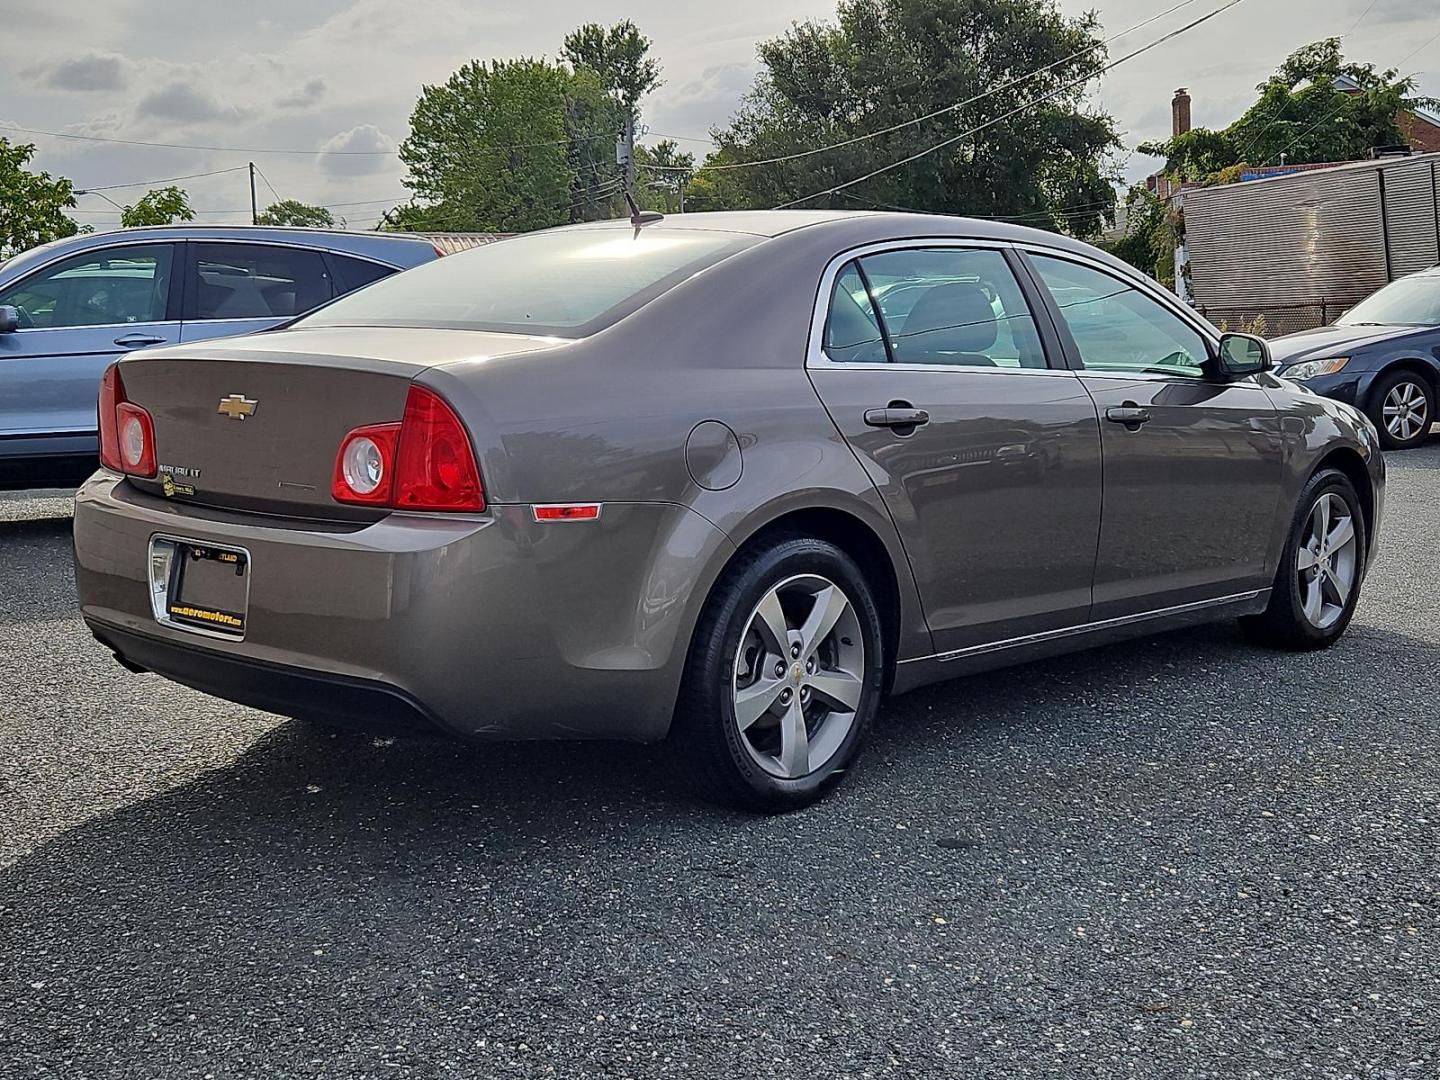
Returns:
(268,184)
(164,180)
(946,109)
(835,188)
(261,150)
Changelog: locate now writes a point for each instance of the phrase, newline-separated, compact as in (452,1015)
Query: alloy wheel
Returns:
(1406,411)
(799,675)
(1327,561)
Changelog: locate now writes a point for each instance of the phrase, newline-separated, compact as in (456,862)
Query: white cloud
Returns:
(358,152)
(183,102)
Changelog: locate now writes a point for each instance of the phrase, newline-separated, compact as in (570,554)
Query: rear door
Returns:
(241,288)
(1193,463)
(76,316)
(954,397)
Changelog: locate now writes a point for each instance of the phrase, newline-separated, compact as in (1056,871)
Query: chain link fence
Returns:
(1272,320)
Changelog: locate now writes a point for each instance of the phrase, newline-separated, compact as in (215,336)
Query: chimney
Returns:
(1180,112)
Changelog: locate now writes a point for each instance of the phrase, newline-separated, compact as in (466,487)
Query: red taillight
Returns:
(127,432)
(112,392)
(425,462)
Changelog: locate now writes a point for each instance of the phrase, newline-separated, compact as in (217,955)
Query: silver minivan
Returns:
(70,308)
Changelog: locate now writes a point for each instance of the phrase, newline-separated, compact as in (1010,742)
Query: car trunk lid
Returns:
(255,424)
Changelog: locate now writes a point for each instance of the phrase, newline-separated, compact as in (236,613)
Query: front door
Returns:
(1192,462)
(76,316)
(933,368)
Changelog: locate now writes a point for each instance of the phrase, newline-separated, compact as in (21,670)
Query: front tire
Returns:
(1402,408)
(1321,569)
(783,678)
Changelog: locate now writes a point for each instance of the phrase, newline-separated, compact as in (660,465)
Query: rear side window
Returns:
(959,307)
(852,330)
(567,282)
(256,281)
(352,274)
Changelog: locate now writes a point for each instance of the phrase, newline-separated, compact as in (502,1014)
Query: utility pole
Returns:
(629,152)
(254,206)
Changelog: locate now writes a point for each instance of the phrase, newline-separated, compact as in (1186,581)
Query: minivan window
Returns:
(565,283)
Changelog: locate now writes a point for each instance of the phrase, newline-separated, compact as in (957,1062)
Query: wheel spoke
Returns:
(771,624)
(1338,588)
(1305,558)
(1322,517)
(837,689)
(830,605)
(1341,534)
(1314,600)
(794,742)
(753,702)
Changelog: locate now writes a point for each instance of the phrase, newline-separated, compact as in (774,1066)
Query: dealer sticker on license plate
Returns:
(200,587)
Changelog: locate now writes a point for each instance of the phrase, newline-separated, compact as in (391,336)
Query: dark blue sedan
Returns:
(1382,356)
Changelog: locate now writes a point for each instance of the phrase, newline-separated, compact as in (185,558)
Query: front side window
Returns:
(566,282)
(117,285)
(255,281)
(1117,327)
(954,306)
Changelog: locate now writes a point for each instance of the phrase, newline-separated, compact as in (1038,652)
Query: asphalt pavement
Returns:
(1171,858)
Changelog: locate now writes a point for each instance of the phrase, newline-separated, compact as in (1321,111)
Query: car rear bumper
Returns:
(484,626)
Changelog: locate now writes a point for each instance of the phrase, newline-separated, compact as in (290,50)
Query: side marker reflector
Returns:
(567,512)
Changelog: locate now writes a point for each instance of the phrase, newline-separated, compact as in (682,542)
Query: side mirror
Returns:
(1242,355)
(9,319)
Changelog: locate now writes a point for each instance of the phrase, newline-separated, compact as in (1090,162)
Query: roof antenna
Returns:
(640,218)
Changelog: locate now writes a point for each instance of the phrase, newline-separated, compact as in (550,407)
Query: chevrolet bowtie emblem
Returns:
(237,406)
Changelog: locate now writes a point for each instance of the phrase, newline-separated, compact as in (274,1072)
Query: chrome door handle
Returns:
(136,341)
(1129,414)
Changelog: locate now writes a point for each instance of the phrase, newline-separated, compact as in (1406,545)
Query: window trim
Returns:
(172,299)
(1146,287)
(1050,344)
(190,311)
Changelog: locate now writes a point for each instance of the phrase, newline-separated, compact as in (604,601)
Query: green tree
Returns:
(665,171)
(509,146)
(294,212)
(1302,117)
(163,206)
(1147,241)
(620,55)
(32,205)
(887,61)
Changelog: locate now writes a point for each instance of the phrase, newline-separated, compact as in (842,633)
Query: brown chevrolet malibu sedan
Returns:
(726,478)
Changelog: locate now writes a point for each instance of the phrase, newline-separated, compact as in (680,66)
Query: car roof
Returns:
(408,248)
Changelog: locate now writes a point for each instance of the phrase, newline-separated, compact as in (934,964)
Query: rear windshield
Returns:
(565,283)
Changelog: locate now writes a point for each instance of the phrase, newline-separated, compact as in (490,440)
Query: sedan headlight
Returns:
(1311,369)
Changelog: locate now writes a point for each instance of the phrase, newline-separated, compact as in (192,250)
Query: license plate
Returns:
(200,587)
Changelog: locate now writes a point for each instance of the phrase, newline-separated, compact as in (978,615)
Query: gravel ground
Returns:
(1178,857)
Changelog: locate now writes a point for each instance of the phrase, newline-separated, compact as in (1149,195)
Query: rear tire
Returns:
(1321,569)
(1402,407)
(767,724)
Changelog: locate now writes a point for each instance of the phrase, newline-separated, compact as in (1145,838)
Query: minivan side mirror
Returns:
(9,319)
(1242,355)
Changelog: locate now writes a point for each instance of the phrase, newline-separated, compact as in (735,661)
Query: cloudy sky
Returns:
(343,75)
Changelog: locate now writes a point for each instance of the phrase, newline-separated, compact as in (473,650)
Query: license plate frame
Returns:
(224,617)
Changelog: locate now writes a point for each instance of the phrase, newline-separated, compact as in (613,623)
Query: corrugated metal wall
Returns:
(1410,220)
(1269,245)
